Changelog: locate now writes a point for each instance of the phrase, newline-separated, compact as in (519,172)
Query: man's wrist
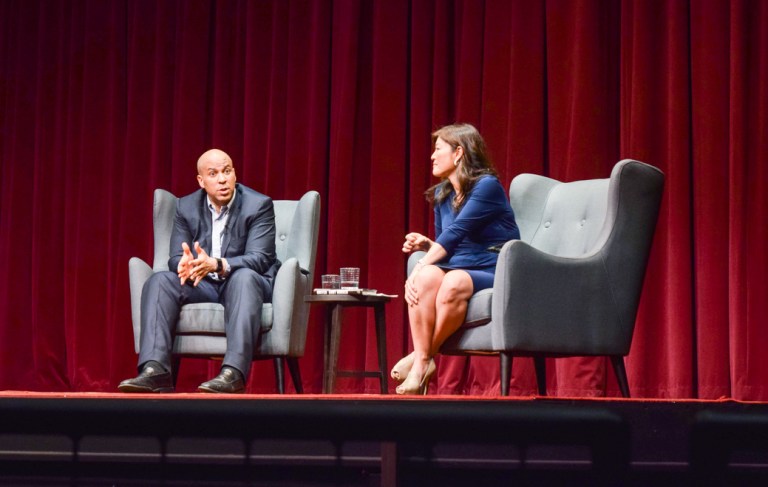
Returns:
(222,268)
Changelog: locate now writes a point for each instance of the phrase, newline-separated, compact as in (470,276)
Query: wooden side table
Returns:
(334,306)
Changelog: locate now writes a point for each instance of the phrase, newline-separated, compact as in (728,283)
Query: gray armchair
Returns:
(200,331)
(571,285)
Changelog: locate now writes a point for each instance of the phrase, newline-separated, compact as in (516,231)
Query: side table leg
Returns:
(327,346)
(333,354)
(381,342)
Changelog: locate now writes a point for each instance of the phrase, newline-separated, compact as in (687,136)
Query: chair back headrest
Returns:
(562,219)
(297,226)
(575,219)
(163,211)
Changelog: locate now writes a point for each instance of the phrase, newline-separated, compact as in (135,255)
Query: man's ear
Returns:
(200,181)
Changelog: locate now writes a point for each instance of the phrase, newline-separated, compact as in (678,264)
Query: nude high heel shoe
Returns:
(401,368)
(417,385)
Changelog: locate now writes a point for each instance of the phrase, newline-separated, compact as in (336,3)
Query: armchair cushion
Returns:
(208,319)
(572,218)
(479,309)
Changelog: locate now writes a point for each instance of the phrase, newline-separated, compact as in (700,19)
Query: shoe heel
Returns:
(424,386)
(412,385)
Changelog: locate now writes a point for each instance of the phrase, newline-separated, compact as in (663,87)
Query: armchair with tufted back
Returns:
(571,285)
(200,330)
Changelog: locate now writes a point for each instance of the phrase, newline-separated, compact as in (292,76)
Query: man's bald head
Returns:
(212,156)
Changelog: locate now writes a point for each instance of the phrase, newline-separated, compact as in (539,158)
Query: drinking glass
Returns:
(350,277)
(331,281)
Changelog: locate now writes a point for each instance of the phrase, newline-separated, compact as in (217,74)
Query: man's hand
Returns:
(202,265)
(184,268)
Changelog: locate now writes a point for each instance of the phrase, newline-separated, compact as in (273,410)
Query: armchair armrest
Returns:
(540,299)
(138,273)
(412,260)
(290,313)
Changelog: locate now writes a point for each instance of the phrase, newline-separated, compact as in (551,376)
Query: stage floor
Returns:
(196,439)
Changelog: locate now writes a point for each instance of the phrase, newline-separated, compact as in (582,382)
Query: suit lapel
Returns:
(234,214)
(204,236)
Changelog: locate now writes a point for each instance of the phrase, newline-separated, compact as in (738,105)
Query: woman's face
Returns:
(444,158)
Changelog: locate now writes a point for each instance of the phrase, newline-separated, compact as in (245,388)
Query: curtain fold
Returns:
(748,210)
(102,102)
(655,126)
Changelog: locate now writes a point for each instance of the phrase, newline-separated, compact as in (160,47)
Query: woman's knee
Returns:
(429,279)
(454,288)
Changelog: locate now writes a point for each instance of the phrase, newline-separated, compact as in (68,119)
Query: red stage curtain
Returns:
(101,102)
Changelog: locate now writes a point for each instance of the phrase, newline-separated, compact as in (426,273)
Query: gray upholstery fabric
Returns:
(163,210)
(571,285)
(200,330)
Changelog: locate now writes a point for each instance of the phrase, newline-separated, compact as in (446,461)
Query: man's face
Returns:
(216,176)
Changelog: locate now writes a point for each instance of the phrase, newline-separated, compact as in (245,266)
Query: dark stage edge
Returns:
(113,439)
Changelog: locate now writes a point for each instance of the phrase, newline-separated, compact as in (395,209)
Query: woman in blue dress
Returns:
(472,214)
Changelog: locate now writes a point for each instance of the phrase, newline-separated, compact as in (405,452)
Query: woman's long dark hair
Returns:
(474,162)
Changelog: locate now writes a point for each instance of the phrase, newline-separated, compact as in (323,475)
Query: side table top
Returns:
(348,298)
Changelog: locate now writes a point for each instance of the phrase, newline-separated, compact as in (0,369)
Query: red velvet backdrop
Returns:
(101,102)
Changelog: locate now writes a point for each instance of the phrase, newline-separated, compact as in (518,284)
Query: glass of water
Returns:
(350,277)
(331,281)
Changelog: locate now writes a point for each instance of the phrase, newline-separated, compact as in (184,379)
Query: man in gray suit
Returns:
(232,230)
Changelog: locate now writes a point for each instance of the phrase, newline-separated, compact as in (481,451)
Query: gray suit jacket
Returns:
(249,237)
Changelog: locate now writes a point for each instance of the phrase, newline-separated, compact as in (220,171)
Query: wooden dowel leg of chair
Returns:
(279,375)
(505,364)
(621,374)
(293,368)
(540,364)
(175,366)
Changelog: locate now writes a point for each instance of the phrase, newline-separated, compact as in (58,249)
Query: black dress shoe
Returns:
(152,378)
(229,381)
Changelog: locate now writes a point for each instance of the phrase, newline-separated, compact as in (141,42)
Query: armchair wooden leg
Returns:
(293,368)
(175,366)
(621,374)
(505,364)
(279,375)
(540,364)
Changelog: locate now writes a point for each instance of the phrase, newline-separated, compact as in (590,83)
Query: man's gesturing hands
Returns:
(194,269)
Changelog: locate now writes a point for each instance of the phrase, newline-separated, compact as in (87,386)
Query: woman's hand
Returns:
(411,295)
(416,241)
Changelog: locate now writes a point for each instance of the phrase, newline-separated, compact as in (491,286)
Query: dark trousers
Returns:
(242,294)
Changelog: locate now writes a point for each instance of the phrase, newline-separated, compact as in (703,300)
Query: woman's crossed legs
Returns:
(439,311)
